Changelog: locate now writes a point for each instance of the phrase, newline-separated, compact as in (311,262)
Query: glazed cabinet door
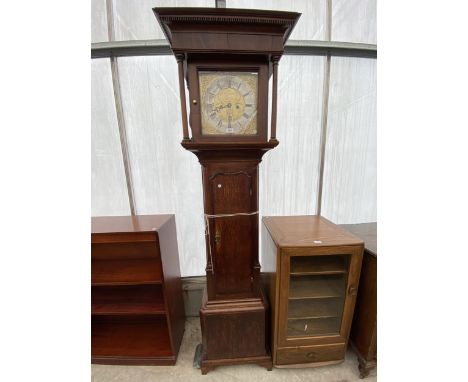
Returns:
(318,292)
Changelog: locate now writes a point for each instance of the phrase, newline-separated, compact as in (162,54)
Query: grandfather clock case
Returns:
(226,57)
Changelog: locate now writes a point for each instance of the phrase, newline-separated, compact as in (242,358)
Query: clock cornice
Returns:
(188,29)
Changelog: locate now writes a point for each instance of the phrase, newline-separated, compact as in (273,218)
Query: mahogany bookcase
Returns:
(137,310)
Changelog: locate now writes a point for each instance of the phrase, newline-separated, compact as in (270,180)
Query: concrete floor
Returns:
(183,371)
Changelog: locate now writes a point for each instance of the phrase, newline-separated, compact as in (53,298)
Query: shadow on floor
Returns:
(183,371)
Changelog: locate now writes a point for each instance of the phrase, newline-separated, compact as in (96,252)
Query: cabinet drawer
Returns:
(310,354)
(112,251)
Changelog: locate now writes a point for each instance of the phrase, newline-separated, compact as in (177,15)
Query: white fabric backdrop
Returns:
(350,173)
(354,21)
(167,179)
(108,187)
(311,25)
(134,20)
(289,173)
(99,21)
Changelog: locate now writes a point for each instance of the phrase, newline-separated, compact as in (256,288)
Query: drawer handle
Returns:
(352,291)
(310,354)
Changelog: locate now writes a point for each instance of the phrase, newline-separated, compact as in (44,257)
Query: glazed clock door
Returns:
(232,240)
(228,101)
(318,297)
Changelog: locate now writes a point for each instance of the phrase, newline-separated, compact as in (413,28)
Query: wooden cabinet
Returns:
(137,310)
(312,272)
(363,337)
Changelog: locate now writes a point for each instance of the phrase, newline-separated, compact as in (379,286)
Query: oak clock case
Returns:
(229,102)
(227,57)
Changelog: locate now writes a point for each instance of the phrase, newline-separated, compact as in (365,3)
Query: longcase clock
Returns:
(227,57)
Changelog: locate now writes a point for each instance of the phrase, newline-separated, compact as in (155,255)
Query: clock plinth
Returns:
(227,57)
(234,332)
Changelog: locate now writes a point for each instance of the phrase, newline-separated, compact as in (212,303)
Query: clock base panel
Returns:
(208,365)
(234,333)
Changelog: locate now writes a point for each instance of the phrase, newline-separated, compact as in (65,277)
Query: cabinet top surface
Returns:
(367,232)
(137,223)
(307,231)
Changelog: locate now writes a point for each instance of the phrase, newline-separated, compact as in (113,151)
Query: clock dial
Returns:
(228,103)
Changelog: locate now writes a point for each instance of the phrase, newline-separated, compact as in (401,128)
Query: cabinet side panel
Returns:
(269,267)
(365,315)
(268,256)
(353,283)
(172,284)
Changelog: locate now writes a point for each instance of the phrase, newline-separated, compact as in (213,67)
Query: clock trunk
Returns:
(234,310)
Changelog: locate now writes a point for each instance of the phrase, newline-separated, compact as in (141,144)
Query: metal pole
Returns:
(293,47)
(325,100)
(119,110)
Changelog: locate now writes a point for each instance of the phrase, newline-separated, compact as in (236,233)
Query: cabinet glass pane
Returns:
(317,287)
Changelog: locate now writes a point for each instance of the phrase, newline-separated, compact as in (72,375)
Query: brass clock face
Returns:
(228,103)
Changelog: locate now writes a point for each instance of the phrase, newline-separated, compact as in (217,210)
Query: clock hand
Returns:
(221,107)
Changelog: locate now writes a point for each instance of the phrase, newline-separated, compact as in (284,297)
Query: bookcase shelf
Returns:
(127,300)
(314,308)
(309,265)
(136,338)
(313,326)
(126,272)
(316,287)
(137,310)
